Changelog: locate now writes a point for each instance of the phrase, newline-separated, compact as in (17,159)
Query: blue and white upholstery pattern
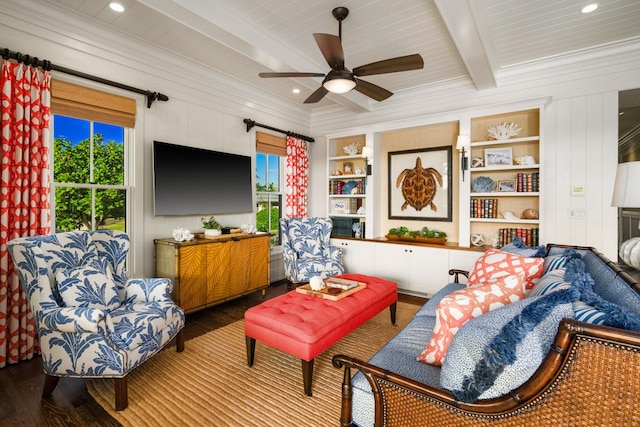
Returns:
(81,339)
(306,249)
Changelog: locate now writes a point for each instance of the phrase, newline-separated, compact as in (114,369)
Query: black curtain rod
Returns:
(250,123)
(47,66)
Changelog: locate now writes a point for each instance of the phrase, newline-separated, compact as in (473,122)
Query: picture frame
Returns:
(339,206)
(507,185)
(347,168)
(498,157)
(404,202)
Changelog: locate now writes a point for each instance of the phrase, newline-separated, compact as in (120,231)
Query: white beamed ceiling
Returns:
(473,40)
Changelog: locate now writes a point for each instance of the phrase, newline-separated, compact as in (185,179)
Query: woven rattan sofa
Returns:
(589,377)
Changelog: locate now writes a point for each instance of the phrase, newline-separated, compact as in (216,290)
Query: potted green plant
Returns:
(211,226)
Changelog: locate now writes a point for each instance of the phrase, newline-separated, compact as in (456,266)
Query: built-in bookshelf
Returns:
(507,204)
(347,184)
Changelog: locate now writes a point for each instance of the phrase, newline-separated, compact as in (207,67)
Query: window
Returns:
(268,194)
(89,182)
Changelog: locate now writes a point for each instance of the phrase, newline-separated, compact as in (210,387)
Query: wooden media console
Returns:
(207,272)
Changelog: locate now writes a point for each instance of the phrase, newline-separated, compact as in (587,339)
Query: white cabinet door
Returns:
(357,256)
(417,270)
(429,270)
(392,263)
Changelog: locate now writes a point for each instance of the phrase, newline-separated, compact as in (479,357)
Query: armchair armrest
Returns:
(455,273)
(334,253)
(73,319)
(148,290)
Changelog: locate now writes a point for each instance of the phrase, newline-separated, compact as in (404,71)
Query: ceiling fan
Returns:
(340,79)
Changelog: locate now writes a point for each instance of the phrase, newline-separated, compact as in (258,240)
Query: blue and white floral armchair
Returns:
(306,249)
(92,321)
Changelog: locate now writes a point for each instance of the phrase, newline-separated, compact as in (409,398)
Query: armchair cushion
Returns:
(142,325)
(308,245)
(90,286)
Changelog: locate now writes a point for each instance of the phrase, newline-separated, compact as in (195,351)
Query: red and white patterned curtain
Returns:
(24,199)
(297,178)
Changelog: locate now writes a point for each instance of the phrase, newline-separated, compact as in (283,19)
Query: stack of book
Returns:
(354,205)
(529,236)
(484,208)
(336,186)
(345,284)
(528,182)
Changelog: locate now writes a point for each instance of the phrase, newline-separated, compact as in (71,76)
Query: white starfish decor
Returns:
(504,131)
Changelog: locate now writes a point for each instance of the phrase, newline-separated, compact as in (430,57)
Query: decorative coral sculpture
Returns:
(352,149)
(504,131)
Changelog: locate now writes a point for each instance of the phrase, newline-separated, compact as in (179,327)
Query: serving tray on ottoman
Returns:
(304,326)
(333,294)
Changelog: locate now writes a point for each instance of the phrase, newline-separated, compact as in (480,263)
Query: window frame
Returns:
(126,187)
(268,194)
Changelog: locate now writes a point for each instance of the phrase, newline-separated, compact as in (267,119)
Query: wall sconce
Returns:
(367,153)
(463,143)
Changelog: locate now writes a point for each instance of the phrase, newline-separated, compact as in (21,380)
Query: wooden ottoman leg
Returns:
(251,350)
(392,310)
(307,375)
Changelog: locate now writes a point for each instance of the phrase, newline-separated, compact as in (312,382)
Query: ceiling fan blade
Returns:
(331,49)
(392,65)
(291,74)
(316,96)
(372,91)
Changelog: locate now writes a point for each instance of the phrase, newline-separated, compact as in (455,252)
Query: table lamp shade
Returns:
(626,190)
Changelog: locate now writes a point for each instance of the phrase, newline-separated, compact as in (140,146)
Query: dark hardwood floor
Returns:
(71,405)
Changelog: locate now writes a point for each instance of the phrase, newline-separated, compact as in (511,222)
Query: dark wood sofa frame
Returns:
(590,377)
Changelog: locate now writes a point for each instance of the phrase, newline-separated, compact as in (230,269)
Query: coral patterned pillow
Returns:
(496,263)
(458,307)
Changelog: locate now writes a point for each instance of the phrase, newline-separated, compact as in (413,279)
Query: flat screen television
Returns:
(197,181)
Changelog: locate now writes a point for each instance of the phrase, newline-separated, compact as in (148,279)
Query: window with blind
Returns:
(271,153)
(91,132)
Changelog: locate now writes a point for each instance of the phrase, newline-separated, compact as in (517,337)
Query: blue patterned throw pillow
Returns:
(553,262)
(588,314)
(91,286)
(499,351)
(518,247)
(551,281)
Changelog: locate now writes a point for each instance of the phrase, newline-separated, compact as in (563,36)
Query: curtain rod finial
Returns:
(250,123)
(155,96)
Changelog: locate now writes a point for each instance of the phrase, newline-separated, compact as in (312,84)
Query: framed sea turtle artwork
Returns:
(420,184)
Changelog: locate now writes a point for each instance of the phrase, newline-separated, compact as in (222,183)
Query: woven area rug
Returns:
(210,384)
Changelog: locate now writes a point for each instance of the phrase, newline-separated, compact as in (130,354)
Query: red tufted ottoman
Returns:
(305,326)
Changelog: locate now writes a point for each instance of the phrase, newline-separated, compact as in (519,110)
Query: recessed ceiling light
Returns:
(589,8)
(296,90)
(117,7)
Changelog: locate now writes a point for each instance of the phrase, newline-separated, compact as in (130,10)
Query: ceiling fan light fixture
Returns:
(339,81)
